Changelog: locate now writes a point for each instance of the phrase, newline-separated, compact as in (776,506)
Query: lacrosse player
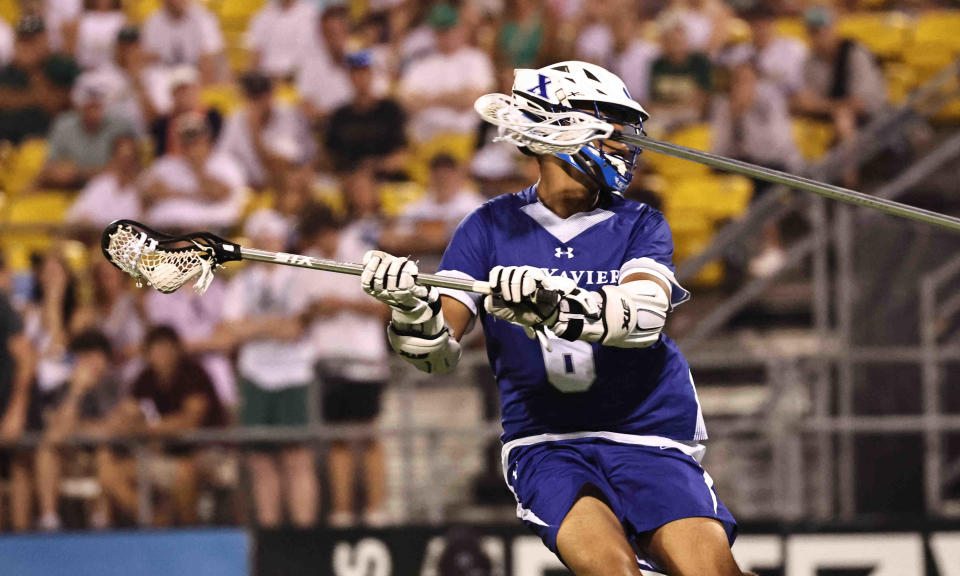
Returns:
(601,422)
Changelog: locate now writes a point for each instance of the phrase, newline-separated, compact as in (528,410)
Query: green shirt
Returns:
(69,140)
(675,83)
(19,124)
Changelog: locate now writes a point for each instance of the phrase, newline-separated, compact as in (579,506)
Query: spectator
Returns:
(262,313)
(369,128)
(35,86)
(779,59)
(255,135)
(296,190)
(195,319)
(193,186)
(184,32)
(706,23)
(185,91)
(347,335)
(172,395)
(679,79)
(427,224)
(78,407)
(521,35)
(362,200)
(96,32)
(80,141)
(438,91)
(324,80)
(112,195)
(752,123)
(632,56)
(61,17)
(595,38)
(114,311)
(16,377)
(280,35)
(841,80)
(131,82)
(6,42)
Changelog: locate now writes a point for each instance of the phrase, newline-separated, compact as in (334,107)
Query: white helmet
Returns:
(597,91)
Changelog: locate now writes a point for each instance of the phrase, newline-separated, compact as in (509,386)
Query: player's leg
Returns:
(691,547)
(47,467)
(117,477)
(591,540)
(374,480)
(184,494)
(299,467)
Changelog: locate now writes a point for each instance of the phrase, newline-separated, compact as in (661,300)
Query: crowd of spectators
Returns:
(337,109)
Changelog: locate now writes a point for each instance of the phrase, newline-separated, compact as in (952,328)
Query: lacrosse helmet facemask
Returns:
(583,87)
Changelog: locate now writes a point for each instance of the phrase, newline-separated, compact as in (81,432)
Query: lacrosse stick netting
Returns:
(162,261)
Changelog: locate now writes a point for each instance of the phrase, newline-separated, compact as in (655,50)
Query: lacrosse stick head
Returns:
(164,261)
(569,109)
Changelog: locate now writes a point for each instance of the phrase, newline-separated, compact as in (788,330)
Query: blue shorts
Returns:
(645,486)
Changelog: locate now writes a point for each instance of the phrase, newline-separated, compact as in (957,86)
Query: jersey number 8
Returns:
(570,365)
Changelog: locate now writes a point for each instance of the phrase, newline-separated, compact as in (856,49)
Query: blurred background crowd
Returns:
(329,129)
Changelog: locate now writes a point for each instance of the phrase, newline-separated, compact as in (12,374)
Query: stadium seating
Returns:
(22,165)
(885,34)
(813,137)
(694,136)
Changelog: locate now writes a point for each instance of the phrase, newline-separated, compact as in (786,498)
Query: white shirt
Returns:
(184,40)
(97,36)
(327,86)
(56,13)
(6,42)
(261,290)
(104,200)
(122,98)
(782,63)
(595,43)
(633,67)
(283,36)
(467,68)
(177,174)
(285,123)
(350,344)
(451,212)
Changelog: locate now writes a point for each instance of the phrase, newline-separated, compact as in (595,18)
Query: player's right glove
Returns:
(525,296)
(417,330)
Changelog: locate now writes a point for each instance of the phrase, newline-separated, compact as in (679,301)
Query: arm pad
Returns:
(630,315)
(436,354)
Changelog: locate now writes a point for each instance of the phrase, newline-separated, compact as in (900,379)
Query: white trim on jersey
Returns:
(565,229)
(468,299)
(678,294)
(693,449)
(700,433)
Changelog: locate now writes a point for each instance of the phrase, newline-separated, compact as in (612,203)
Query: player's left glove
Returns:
(525,296)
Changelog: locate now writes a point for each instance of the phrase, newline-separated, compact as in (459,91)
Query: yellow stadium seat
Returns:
(223,98)
(18,246)
(883,33)
(925,59)
(695,136)
(939,27)
(813,137)
(791,27)
(394,196)
(901,79)
(460,146)
(263,200)
(24,165)
(39,208)
(10,11)
(139,10)
(731,197)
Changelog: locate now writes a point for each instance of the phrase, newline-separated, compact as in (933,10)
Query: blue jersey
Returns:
(577,386)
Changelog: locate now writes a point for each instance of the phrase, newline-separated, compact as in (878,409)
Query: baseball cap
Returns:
(255,84)
(182,76)
(30,25)
(89,89)
(442,17)
(128,35)
(817,17)
(191,125)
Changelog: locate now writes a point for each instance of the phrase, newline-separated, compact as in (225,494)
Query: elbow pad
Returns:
(630,315)
(435,353)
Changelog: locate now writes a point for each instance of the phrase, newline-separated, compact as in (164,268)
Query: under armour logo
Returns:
(561,252)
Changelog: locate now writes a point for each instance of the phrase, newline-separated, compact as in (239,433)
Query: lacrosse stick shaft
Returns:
(312,263)
(777,177)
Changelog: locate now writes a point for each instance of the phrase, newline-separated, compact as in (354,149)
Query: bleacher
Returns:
(696,201)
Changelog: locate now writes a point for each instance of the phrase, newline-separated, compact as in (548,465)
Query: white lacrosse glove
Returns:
(417,331)
(393,281)
(525,296)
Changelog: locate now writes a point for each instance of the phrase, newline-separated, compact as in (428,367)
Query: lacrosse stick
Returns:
(568,131)
(168,262)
